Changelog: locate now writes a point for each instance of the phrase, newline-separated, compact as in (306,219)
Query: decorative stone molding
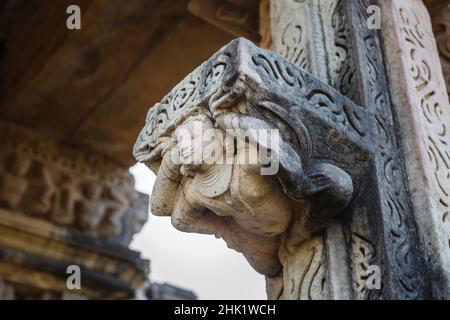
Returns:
(380,226)
(66,187)
(61,207)
(316,36)
(35,254)
(421,103)
(324,157)
(290,31)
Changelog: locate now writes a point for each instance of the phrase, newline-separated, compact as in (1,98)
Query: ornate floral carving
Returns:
(433,109)
(342,66)
(306,271)
(362,258)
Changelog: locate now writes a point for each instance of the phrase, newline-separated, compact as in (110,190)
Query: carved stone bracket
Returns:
(440,19)
(325,155)
(264,75)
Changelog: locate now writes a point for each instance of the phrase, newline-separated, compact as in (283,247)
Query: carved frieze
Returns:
(36,254)
(63,186)
(61,207)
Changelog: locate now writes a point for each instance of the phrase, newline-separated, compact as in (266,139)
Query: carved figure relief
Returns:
(37,179)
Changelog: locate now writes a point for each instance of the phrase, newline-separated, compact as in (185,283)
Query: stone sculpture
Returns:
(254,213)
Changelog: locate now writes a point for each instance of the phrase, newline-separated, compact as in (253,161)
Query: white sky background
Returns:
(200,263)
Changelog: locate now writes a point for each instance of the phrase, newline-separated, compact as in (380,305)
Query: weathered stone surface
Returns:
(440,19)
(421,103)
(289,28)
(383,165)
(35,255)
(61,185)
(380,227)
(243,87)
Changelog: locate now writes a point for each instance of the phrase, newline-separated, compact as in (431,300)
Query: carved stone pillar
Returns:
(348,57)
(363,118)
(420,100)
(243,87)
(62,207)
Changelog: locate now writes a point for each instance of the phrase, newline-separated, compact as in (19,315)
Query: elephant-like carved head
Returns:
(237,164)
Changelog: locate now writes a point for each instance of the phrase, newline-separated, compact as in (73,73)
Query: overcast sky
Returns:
(200,263)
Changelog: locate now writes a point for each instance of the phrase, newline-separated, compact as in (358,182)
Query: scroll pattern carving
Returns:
(395,205)
(293,49)
(363,256)
(342,67)
(268,71)
(421,104)
(305,272)
(290,31)
(433,109)
(339,111)
(67,188)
